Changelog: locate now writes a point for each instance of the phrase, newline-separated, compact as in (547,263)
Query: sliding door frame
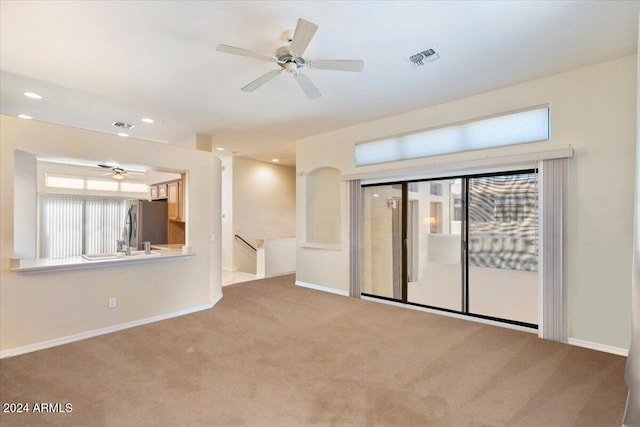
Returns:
(405,266)
(464,243)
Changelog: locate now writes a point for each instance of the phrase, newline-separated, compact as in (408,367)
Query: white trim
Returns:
(454,315)
(422,171)
(330,247)
(322,288)
(600,347)
(96,332)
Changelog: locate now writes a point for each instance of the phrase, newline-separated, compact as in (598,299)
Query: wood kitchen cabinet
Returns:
(173,192)
(158,191)
(175,208)
(175,202)
(162,191)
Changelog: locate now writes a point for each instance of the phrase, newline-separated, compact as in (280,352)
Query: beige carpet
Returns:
(272,354)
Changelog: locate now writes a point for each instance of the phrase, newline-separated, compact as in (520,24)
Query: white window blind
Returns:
(60,227)
(510,129)
(73,225)
(104,220)
(552,201)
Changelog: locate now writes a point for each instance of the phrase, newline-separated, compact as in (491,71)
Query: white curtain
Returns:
(60,226)
(74,225)
(355,192)
(632,376)
(104,220)
(552,202)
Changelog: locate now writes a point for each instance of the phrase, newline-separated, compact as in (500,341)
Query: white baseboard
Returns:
(96,332)
(322,288)
(286,273)
(454,315)
(600,347)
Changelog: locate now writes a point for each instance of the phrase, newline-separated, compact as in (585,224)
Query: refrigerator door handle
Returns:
(130,224)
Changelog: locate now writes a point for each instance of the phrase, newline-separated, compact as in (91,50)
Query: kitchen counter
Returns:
(167,247)
(78,262)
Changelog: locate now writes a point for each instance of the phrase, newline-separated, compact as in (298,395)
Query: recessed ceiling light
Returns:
(375,195)
(275,160)
(24,116)
(32,95)
(147,120)
(220,148)
(124,135)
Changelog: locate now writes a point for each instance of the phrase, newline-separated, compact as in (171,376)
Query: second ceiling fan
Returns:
(290,58)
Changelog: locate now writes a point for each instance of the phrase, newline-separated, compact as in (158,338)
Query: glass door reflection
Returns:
(503,247)
(463,244)
(434,259)
(381,241)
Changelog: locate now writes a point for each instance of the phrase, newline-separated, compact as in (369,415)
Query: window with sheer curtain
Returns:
(508,129)
(76,225)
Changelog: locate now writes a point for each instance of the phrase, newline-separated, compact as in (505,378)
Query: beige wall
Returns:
(263,206)
(632,376)
(44,306)
(323,206)
(227,213)
(592,109)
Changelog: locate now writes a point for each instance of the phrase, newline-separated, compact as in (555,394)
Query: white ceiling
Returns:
(96,62)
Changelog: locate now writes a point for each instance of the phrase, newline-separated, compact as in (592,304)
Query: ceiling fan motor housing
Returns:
(288,60)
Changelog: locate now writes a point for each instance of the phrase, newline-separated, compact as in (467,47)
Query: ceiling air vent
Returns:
(122,125)
(427,55)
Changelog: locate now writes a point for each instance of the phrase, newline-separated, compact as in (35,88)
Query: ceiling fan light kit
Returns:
(119,175)
(117,171)
(290,59)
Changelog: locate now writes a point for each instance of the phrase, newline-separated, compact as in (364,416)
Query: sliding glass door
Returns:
(382,237)
(434,251)
(503,247)
(463,244)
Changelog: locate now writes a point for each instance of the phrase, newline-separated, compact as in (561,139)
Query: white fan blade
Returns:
(261,80)
(302,36)
(243,52)
(309,88)
(336,64)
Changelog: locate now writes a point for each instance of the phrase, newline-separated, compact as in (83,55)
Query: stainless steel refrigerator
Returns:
(146,221)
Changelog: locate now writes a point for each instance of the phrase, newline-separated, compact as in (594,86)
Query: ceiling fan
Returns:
(290,58)
(117,172)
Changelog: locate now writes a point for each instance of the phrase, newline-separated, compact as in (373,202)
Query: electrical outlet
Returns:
(113,302)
